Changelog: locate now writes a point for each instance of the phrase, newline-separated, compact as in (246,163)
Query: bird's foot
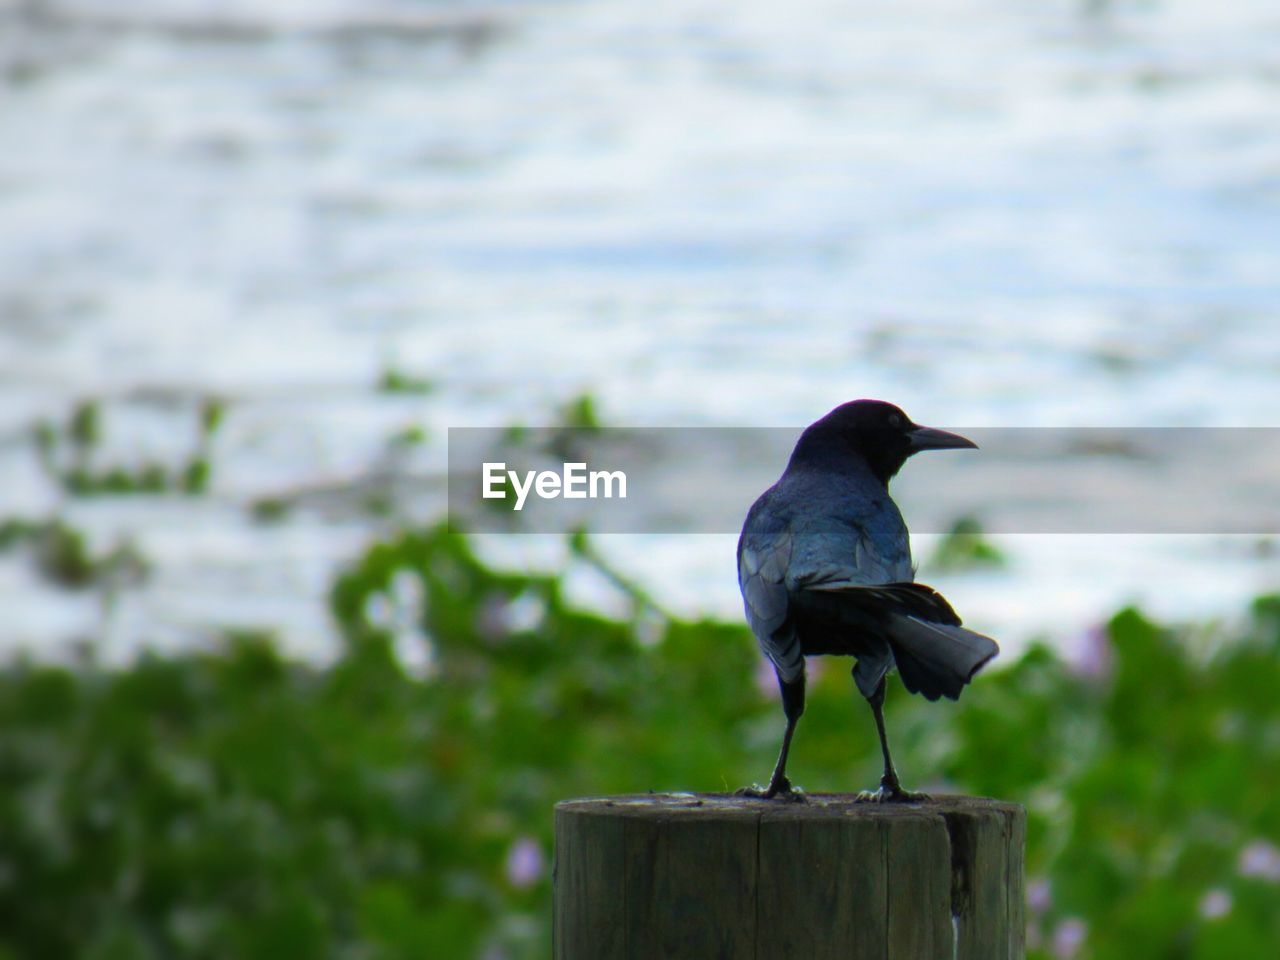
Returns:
(890,792)
(780,789)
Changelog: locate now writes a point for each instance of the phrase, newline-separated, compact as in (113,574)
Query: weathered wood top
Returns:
(729,806)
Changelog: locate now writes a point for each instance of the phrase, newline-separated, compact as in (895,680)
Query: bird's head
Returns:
(878,432)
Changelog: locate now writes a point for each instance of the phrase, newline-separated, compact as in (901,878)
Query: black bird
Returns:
(824,565)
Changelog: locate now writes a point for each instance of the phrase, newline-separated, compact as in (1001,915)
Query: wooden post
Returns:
(715,877)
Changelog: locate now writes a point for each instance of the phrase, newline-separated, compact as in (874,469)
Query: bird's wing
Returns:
(763,560)
(851,555)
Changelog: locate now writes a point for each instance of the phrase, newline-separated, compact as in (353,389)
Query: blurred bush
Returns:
(396,803)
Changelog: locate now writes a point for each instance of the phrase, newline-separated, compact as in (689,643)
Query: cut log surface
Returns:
(720,877)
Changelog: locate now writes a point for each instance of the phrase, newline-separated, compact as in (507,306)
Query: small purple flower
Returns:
(1069,938)
(525,863)
(492,620)
(1260,859)
(1039,895)
(1094,659)
(1215,903)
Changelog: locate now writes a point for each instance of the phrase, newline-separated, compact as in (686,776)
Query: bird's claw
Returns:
(781,790)
(890,793)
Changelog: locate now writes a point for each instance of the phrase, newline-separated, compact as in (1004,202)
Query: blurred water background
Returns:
(354,225)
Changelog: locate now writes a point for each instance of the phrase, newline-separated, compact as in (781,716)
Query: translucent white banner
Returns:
(1020,480)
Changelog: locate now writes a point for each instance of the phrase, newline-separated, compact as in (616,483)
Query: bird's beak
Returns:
(927,438)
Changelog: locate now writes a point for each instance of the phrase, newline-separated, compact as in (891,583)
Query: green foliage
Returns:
(413,435)
(85,426)
(396,803)
(68,452)
(61,553)
(965,547)
(397,381)
(271,509)
(580,413)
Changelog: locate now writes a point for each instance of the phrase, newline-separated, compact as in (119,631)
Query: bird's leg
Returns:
(779,785)
(890,788)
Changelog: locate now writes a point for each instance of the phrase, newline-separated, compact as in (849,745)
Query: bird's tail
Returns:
(935,656)
(936,659)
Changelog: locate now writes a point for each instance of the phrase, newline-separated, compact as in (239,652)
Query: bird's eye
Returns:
(895,421)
